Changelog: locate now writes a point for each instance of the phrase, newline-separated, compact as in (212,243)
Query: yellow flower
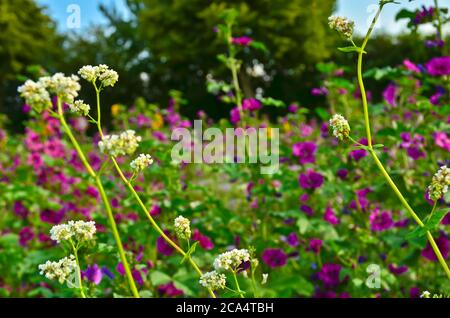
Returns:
(115,109)
(157,121)
(287,126)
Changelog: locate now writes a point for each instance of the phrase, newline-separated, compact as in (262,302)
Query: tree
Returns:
(27,36)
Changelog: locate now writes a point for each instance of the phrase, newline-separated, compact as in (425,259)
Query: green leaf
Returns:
(349,49)
(323,113)
(189,253)
(429,225)
(259,46)
(303,224)
(159,278)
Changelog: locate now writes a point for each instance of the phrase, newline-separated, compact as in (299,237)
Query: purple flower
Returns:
(311,180)
(410,66)
(20,210)
(390,95)
(293,108)
(204,241)
(413,145)
(235,115)
(163,247)
(439,66)
(169,290)
(93,274)
(358,154)
(305,151)
(315,245)
(52,217)
(307,209)
(443,245)
(35,160)
(330,216)
(26,234)
(363,202)
(342,173)
(397,270)
(329,275)
(292,239)
(442,140)
(54,148)
(274,257)
(251,104)
(242,41)
(380,220)
(155,210)
(319,91)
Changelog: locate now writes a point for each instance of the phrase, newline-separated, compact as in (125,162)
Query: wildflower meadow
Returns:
(107,193)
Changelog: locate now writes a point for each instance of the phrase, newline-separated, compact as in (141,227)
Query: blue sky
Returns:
(359,10)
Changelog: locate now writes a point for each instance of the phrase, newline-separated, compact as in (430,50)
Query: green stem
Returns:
(237,285)
(374,155)
(104,199)
(80,281)
(234,71)
(142,205)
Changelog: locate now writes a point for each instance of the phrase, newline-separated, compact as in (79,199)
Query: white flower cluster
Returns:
(231,260)
(141,162)
(213,280)
(65,87)
(439,184)
(103,73)
(37,94)
(341,128)
(80,230)
(342,25)
(120,145)
(80,108)
(182,227)
(60,270)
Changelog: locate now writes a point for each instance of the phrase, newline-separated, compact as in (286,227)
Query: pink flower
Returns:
(35,160)
(439,66)
(204,241)
(390,95)
(442,140)
(251,104)
(411,66)
(305,151)
(380,220)
(311,180)
(242,41)
(330,216)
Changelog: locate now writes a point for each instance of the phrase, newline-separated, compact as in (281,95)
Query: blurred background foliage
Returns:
(166,45)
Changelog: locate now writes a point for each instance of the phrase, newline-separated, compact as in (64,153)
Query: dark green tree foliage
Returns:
(27,36)
(183,43)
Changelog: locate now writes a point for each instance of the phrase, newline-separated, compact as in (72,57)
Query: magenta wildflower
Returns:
(274,257)
(293,108)
(397,270)
(319,91)
(204,241)
(410,66)
(292,239)
(358,154)
(329,275)
(380,220)
(251,104)
(169,290)
(155,210)
(413,145)
(305,151)
(311,180)
(163,247)
(330,216)
(26,234)
(315,245)
(54,148)
(443,245)
(20,209)
(390,95)
(235,115)
(93,274)
(442,140)
(35,160)
(439,66)
(242,41)
(363,202)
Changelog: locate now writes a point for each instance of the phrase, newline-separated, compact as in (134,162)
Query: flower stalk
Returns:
(104,197)
(373,153)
